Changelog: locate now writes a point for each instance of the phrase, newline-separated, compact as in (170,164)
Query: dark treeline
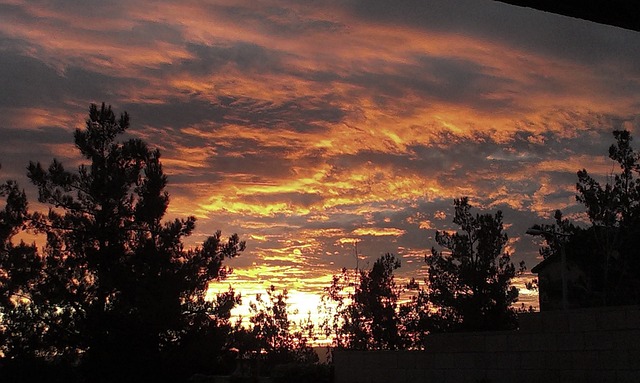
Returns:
(468,289)
(113,295)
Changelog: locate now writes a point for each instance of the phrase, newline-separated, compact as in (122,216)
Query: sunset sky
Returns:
(306,125)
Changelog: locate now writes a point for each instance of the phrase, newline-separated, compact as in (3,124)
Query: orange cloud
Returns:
(309,127)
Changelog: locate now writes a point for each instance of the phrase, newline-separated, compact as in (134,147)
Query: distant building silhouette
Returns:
(550,283)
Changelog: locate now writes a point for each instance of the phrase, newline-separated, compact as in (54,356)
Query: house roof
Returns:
(619,13)
(553,258)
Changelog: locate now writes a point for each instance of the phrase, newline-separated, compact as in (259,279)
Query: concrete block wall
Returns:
(587,345)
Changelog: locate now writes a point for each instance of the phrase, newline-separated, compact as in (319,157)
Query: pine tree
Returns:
(470,284)
(114,277)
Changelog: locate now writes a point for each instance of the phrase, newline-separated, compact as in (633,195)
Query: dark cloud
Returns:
(278,20)
(294,105)
(175,113)
(246,57)
(302,114)
(521,28)
(27,82)
(13,156)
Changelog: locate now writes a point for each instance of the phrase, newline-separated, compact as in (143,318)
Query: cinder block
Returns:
(438,342)
(519,341)
(633,359)
(436,375)
(502,376)
(492,361)
(406,360)
(570,341)
(475,343)
(626,340)
(445,360)
(466,361)
(543,342)
(416,376)
(634,339)
(460,376)
(392,375)
(611,319)
(613,359)
(481,360)
(505,376)
(572,375)
(582,321)
(534,360)
(600,376)
(496,343)
(628,376)
(632,316)
(536,376)
(491,375)
(586,360)
(530,322)
(556,321)
(599,340)
(425,361)
(389,359)
(456,343)
(345,373)
(559,360)
(506,361)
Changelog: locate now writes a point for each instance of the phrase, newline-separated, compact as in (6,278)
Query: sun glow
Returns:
(313,128)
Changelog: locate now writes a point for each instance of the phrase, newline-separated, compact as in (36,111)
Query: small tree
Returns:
(469,286)
(275,334)
(20,267)
(367,318)
(416,316)
(114,288)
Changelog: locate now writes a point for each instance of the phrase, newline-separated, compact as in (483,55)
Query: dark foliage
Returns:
(274,336)
(606,252)
(114,292)
(469,285)
(366,318)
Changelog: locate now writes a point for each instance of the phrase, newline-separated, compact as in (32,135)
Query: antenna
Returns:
(355,242)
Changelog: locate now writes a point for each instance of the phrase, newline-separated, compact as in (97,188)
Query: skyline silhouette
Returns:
(305,127)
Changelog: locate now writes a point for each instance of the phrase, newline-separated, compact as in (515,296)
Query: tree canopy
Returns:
(468,288)
(366,315)
(469,285)
(114,290)
(606,251)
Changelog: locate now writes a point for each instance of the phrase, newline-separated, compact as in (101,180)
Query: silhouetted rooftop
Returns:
(619,13)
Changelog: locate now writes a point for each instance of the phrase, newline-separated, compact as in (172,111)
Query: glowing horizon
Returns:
(305,127)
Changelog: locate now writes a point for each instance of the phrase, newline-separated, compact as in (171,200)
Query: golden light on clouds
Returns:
(378,231)
(310,127)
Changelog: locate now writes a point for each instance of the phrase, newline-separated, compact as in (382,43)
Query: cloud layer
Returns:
(307,126)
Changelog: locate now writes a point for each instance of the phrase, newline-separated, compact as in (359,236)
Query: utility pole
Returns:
(355,242)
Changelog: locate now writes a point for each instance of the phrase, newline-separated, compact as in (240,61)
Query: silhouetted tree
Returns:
(21,339)
(114,289)
(415,316)
(276,336)
(614,212)
(469,285)
(366,318)
(606,251)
